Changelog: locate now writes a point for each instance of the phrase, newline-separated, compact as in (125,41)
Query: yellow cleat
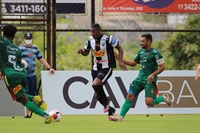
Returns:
(49,119)
(39,102)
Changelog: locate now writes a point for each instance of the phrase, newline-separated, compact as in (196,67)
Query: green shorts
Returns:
(138,85)
(16,84)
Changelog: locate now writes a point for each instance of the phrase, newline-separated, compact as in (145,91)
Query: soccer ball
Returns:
(56,115)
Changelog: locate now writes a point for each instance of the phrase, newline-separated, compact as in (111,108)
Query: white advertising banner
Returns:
(71,92)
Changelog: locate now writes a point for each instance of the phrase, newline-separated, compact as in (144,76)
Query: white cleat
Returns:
(167,100)
(117,118)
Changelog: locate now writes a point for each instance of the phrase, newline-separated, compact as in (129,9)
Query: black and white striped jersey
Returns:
(102,51)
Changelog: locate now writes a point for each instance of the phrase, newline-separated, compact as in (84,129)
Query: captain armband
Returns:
(160,61)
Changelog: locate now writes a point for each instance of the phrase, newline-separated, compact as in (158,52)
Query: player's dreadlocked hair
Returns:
(9,30)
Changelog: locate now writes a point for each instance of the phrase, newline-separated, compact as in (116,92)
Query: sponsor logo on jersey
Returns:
(103,43)
(100,61)
(99,53)
(17,88)
(114,40)
(30,54)
(143,60)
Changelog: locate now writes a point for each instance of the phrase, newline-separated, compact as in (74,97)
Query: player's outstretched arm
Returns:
(120,57)
(126,62)
(82,51)
(197,72)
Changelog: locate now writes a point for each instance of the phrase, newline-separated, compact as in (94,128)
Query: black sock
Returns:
(111,111)
(100,91)
(101,101)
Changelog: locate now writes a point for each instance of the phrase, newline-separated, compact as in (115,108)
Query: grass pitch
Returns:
(100,124)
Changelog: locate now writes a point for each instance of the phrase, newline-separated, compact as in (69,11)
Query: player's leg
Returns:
(150,96)
(38,101)
(134,89)
(156,95)
(107,74)
(101,77)
(32,92)
(34,108)
(15,84)
(111,111)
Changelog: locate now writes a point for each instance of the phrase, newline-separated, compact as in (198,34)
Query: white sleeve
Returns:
(113,41)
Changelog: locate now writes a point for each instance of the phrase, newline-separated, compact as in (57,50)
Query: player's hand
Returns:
(150,78)
(116,56)
(122,65)
(196,78)
(1,76)
(51,70)
(80,50)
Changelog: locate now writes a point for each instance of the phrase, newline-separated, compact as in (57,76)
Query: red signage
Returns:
(166,6)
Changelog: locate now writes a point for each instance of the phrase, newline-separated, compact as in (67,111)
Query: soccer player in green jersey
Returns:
(151,64)
(14,74)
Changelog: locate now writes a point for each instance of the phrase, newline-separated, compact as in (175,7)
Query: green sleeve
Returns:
(137,58)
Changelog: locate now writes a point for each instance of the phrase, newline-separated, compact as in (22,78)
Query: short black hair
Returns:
(9,30)
(148,37)
(96,26)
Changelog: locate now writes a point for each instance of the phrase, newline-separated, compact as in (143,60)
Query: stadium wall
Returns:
(8,107)
(71,92)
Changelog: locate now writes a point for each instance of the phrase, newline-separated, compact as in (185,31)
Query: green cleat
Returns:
(39,102)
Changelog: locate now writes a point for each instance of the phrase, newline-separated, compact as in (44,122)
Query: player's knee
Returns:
(130,96)
(23,99)
(149,101)
(96,82)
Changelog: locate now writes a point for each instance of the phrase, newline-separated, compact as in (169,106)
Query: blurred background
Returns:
(60,27)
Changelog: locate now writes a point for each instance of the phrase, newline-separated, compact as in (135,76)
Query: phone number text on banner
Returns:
(151,6)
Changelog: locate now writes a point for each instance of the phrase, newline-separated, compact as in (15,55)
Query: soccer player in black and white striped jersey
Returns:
(103,61)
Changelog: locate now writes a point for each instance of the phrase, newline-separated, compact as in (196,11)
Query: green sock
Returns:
(158,100)
(126,106)
(30,97)
(34,108)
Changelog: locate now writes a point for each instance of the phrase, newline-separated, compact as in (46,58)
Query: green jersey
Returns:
(149,61)
(10,58)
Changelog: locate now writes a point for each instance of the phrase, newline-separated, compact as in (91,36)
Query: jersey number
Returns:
(11,59)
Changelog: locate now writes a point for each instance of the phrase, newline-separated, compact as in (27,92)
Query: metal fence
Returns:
(61,26)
